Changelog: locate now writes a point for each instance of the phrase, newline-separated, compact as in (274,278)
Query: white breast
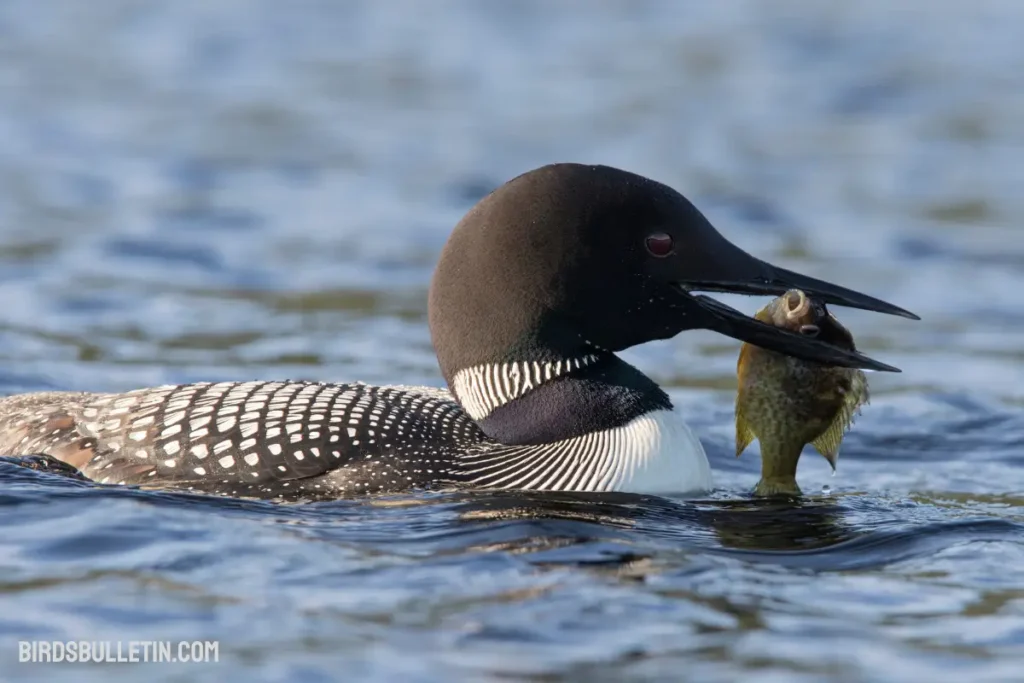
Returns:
(655,453)
(658,453)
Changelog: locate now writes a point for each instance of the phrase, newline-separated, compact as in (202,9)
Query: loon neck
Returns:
(482,389)
(541,401)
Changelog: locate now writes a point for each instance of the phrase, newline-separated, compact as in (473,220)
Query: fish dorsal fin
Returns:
(828,443)
(744,434)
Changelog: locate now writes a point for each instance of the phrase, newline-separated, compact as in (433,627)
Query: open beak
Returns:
(729,269)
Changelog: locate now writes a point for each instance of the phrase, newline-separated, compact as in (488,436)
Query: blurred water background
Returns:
(242,189)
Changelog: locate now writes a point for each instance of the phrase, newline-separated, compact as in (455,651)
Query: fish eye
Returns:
(659,244)
(809,330)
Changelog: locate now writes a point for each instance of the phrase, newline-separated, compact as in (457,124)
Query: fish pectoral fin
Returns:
(828,443)
(744,434)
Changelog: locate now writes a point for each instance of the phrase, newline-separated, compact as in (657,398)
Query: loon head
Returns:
(569,259)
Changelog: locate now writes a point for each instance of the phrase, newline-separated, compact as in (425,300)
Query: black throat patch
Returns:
(604,395)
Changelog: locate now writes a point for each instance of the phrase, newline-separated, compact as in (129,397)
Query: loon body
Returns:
(270,439)
(536,289)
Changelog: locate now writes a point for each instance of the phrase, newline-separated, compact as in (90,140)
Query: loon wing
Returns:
(259,439)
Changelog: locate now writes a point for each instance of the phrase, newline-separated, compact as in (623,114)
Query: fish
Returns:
(787,403)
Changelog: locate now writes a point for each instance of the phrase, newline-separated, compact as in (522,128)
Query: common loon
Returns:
(536,289)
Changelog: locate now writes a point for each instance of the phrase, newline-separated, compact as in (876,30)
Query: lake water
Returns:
(229,189)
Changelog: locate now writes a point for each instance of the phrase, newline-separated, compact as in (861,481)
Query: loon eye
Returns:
(659,244)
(809,330)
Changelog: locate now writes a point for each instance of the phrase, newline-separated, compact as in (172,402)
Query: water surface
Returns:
(197,190)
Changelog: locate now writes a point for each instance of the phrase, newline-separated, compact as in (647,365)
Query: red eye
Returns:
(659,244)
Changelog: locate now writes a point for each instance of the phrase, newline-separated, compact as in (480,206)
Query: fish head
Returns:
(801,314)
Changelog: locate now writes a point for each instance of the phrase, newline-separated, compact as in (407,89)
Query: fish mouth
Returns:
(754,277)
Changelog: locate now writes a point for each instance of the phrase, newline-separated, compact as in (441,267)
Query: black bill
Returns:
(733,271)
(730,322)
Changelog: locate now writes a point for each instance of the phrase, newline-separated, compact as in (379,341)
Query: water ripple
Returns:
(200,191)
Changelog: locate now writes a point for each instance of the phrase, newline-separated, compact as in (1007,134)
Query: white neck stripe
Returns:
(483,388)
